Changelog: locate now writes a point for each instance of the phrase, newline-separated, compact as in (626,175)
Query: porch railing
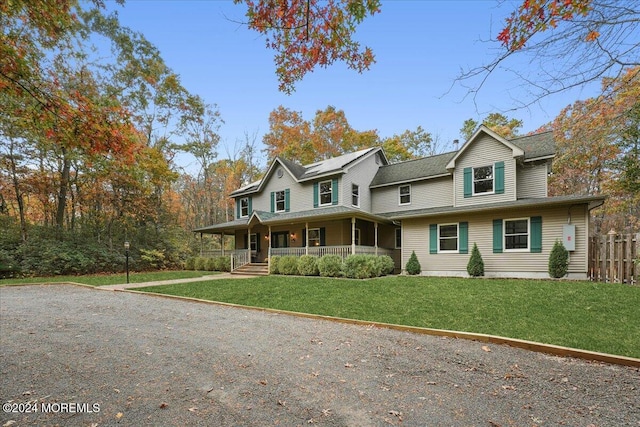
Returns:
(342,250)
(239,258)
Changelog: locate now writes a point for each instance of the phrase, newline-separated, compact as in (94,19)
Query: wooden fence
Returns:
(611,258)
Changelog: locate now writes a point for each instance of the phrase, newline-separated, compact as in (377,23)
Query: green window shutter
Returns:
(334,192)
(499,178)
(536,234)
(273,202)
(468,182)
(463,237)
(250,205)
(238,208)
(323,237)
(497,236)
(315,194)
(304,237)
(287,205)
(258,242)
(433,238)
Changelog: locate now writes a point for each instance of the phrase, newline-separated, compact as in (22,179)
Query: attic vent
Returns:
(279,173)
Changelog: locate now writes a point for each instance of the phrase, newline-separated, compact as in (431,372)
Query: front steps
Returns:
(253,269)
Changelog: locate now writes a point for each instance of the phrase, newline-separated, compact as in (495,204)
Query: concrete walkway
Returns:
(124,286)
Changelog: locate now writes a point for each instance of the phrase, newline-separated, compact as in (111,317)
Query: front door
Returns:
(280,239)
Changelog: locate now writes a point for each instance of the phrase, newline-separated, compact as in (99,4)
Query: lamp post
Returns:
(126,253)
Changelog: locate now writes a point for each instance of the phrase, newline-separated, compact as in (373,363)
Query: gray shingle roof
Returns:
(413,170)
(536,146)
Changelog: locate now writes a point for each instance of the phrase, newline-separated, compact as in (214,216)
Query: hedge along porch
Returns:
(336,231)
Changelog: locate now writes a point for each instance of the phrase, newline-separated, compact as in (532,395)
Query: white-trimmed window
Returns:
(447,237)
(404,194)
(483,180)
(280,201)
(314,237)
(325,192)
(516,234)
(355,195)
(244,207)
(357,240)
(253,242)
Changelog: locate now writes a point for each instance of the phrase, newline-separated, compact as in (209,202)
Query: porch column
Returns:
(306,238)
(269,252)
(222,243)
(353,235)
(249,244)
(201,245)
(375,244)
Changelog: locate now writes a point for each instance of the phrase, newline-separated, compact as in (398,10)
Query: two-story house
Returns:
(491,192)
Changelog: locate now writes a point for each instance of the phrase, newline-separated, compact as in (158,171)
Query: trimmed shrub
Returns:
(330,266)
(413,265)
(475,267)
(386,265)
(273,264)
(189,263)
(223,263)
(361,266)
(308,265)
(210,264)
(558,260)
(288,265)
(200,263)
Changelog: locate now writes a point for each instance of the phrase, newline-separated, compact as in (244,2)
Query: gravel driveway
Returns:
(98,358)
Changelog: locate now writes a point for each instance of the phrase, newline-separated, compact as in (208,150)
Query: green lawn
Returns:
(586,315)
(110,279)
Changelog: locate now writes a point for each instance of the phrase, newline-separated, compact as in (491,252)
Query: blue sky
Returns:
(420,48)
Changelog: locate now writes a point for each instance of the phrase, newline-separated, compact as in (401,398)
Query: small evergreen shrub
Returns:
(558,260)
(475,267)
(223,263)
(330,266)
(288,265)
(360,266)
(385,265)
(273,264)
(413,265)
(189,263)
(152,259)
(210,264)
(200,263)
(308,265)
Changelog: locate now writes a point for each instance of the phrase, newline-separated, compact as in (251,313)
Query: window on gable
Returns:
(325,193)
(355,195)
(244,207)
(448,238)
(483,180)
(516,234)
(280,201)
(405,194)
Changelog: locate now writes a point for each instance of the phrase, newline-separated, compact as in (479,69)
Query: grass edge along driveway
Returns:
(592,316)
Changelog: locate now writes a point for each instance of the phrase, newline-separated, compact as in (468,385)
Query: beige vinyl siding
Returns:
(416,237)
(532,180)
(432,193)
(361,174)
(485,151)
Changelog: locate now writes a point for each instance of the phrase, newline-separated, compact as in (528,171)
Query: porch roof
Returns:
(591,201)
(269,218)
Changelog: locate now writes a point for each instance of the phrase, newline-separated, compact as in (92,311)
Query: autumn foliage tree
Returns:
(310,33)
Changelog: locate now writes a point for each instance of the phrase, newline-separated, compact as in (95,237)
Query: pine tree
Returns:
(413,265)
(558,260)
(475,267)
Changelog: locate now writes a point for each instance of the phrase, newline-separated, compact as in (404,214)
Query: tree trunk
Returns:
(63,189)
(19,195)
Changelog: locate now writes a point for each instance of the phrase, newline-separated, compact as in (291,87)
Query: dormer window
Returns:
(325,193)
(483,180)
(244,207)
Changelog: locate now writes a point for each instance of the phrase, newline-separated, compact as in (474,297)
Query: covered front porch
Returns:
(264,235)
